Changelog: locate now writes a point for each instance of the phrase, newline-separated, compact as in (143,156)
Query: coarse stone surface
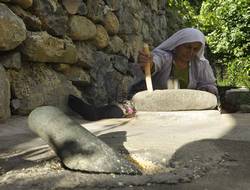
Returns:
(13,30)
(76,146)
(174,100)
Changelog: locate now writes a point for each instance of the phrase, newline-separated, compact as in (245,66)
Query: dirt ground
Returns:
(214,158)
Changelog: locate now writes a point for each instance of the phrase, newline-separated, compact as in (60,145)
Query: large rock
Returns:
(111,23)
(32,22)
(37,84)
(42,47)
(81,28)
(13,30)
(4,95)
(54,18)
(77,148)
(101,39)
(174,100)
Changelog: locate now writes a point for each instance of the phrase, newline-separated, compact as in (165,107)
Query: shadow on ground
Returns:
(222,163)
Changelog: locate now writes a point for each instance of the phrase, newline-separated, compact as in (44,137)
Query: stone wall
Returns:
(52,48)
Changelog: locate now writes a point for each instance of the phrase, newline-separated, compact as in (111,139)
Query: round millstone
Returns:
(174,100)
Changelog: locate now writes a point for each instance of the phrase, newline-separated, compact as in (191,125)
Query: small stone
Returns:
(72,6)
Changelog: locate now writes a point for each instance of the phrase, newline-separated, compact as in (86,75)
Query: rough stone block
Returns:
(37,84)
(42,47)
(238,96)
(77,148)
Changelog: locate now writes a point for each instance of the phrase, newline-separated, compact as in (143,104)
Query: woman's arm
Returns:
(160,58)
(206,79)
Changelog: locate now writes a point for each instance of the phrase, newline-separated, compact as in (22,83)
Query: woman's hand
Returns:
(144,58)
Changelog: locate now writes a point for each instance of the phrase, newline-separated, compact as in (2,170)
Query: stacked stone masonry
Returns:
(52,48)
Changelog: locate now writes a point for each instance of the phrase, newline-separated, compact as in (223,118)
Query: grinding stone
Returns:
(77,148)
(174,100)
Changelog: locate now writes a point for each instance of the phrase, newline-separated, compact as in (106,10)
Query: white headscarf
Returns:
(185,35)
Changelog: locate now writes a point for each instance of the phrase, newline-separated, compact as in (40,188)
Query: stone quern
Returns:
(77,148)
(174,100)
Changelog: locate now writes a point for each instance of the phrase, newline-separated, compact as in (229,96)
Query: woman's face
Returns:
(187,51)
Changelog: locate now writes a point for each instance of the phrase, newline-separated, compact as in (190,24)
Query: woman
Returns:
(181,57)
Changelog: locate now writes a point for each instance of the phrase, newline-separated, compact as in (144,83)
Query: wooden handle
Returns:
(147,70)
